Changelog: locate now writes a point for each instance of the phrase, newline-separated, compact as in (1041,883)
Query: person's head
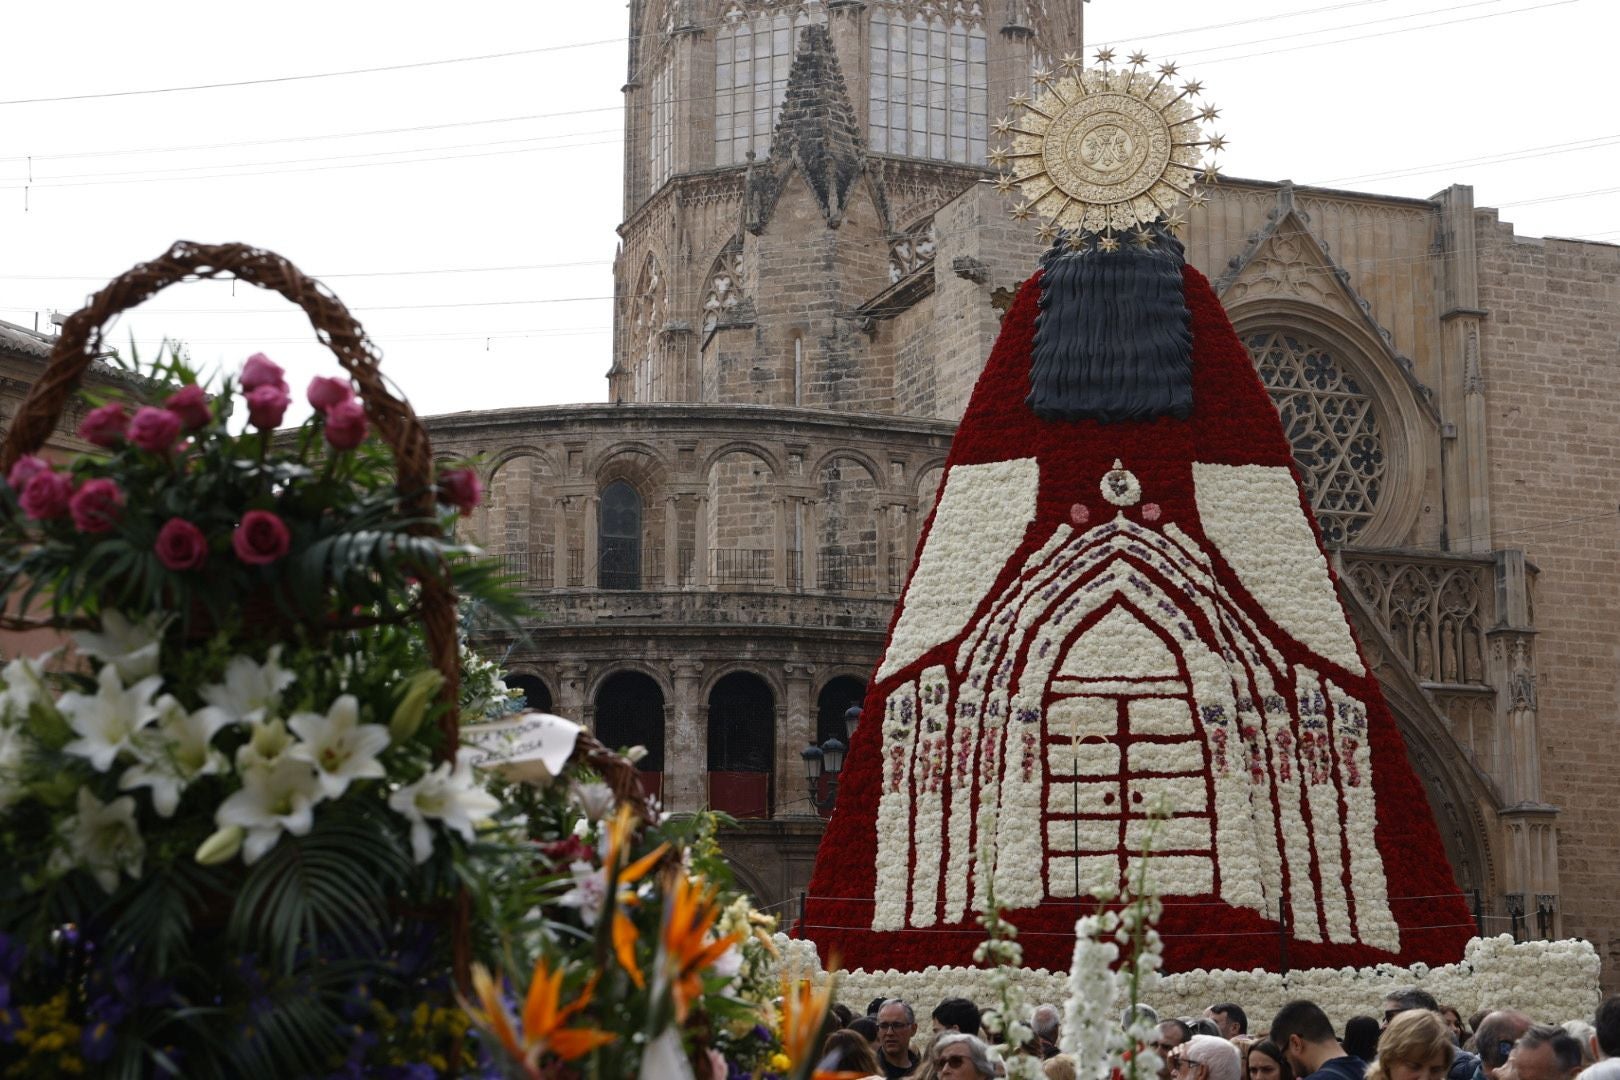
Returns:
(1361,1037)
(1416,1045)
(956,1014)
(1207,1057)
(1047,1023)
(1607,1023)
(865,1027)
(874,1005)
(1229,1019)
(1133,1013)
(1543,1052)
(1454,1021)
(896,1025)
(1410,998)
(962,1057)
(1060,1067)
(1266,1062)
(846,1051)
(1584,1035)
(1494,1037)
(843,1014)
(1304,1034)
(1166,1037)
(1202,1025)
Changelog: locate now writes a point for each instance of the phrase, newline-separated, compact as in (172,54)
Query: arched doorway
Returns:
(619,538)
(630,712)
(835,700)
(536,695)
(742,745)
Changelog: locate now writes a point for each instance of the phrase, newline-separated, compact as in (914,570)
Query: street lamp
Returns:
(828,759)
(852,719)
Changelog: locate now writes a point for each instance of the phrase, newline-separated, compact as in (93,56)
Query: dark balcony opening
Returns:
(742,745)
(630,712)
(619,538)
(536,695)
(832,704)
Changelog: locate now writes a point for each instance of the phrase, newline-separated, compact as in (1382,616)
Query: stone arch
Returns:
(850,534)
(742,743)
(750,882)
(742,520)
(834,698)
(647,314)
(1407,427)
(537,695)
(629,709)
(514,520)
(642,468)
(929,478)
(744,446)
(724,300)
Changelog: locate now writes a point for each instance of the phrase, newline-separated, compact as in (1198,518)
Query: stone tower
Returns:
(807,144)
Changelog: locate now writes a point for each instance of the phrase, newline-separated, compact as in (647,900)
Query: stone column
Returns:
(795,729)
(779,541)
(671,541)
(1466,464)
(571,682)
(700,543)
(559,543)
(592,547)
(808,546)
(686,742)
(885,536)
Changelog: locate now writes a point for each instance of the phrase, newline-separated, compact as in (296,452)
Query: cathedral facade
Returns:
(813,267)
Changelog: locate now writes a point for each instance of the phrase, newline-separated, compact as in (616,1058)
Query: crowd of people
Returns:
(1414,1038)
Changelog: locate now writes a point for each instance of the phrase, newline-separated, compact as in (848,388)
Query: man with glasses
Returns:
(896,1026)
(1166,1038)
(1464,1065)
(1207,1057)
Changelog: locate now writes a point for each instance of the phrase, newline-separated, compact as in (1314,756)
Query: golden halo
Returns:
(1105,150)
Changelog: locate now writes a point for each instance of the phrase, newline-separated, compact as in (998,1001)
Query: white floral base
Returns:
(1552,981)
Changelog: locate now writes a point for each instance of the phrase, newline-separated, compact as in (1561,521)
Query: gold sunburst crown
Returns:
(1109,149)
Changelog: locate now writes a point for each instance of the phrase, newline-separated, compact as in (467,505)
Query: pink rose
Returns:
(181,545)
(346,425)
(97,505)
(190,404)
(261,538)
(154,429)
(105,426)
(260,370)
(25,469)
(46,495)
(461,489)
(325,392)
(266,406)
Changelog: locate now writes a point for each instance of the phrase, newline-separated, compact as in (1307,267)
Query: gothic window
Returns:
(646,322)
(661,124)
(753,52)
(929,81)
(1333,427)
(619,538)
(725,286)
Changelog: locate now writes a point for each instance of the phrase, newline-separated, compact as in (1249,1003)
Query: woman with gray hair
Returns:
(961,1057)
(1207,1057)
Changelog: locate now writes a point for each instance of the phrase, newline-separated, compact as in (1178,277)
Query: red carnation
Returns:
(46,495)
(261,538)
(346,425)
(26,468)
(190,404)
(97,505)
(461,489)
(181,545)
(154,429)
(105,426)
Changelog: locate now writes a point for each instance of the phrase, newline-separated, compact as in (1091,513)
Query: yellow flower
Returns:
(780,1063)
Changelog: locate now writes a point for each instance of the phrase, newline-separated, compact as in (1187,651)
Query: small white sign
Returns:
(530,747)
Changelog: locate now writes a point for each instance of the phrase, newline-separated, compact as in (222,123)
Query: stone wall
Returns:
(1550,364)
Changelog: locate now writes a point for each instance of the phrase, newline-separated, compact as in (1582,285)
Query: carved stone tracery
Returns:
(912,250)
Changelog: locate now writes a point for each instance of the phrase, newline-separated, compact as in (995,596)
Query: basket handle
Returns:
(80,342)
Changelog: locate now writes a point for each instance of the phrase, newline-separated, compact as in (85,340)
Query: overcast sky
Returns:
(466,210)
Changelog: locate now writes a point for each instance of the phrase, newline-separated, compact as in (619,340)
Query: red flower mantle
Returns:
(1233,423)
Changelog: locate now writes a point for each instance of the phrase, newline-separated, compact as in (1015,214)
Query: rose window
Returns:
(1332,425)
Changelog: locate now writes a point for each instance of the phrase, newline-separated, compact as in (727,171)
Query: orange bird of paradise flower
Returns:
(625,934)
(543,1018)
(688,953)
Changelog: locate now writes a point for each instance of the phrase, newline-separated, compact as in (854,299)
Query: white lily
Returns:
(339,746)
(176,752)
(272,801)
(14,743)
(453,796)
(24,680)
(595,799)
(130,647)
(104,839)
(588,893)
(250,690)
(265,746)
(109,719)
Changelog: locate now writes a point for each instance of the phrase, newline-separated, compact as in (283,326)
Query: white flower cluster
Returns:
(1551,981)
(286,765)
